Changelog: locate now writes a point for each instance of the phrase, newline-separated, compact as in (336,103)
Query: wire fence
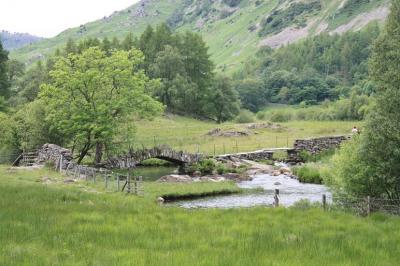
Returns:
(362,206)
(112,181)
(8,158)
(206,145)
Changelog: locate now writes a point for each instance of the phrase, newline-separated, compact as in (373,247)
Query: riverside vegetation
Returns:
(101,97)
(47,223)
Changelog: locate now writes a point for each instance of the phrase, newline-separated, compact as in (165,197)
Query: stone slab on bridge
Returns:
(265,154)
(135,157)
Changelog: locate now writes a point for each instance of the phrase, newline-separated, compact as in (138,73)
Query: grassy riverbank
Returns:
(75,224)
(191,135)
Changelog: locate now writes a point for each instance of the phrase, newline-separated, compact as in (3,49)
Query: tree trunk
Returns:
(83,153)
(99,153)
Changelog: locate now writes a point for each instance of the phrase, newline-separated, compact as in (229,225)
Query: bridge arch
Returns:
(135,157)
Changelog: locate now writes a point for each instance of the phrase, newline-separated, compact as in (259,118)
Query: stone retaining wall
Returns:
(317,145)
(53,153)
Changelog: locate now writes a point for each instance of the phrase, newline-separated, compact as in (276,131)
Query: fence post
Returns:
(136,185)
(368,205)
(128,181)
(276,198)
(324,201)
(118,182)
(106,180)
(61,163)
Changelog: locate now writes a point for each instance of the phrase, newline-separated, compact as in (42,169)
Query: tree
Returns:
(4,80)
(70,47)
(251,94)
(92,93)
(199,69)
(15,70)
(378,151)
(167,66)
(29,84)
(224,101)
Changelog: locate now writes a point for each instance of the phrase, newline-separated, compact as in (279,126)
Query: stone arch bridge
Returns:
(51,152)
(133,158)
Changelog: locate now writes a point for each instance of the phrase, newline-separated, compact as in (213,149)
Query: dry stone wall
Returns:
(317,145)
(53,153)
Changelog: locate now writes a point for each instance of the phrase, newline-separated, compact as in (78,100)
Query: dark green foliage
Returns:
(251,93)
(205,167)
(223,104)
(311,71)
(4,80)
(183,64)
(294,14)
(370,165)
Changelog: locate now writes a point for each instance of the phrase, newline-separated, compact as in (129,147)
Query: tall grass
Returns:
(58,224)
(191,135)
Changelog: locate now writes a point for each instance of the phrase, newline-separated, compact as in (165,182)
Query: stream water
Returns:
(291,191)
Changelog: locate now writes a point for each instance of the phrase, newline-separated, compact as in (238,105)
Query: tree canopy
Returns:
(372,164)
(91,93)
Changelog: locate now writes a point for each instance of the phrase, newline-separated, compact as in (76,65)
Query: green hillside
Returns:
(233,29)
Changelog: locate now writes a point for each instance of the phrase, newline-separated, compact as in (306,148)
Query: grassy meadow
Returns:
(78,224)
(191,135)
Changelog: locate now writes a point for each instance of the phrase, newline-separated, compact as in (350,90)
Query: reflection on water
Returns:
(291,191)
(153,173)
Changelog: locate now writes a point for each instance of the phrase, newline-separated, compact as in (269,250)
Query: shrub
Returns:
(281,116)
(245,116)
(207,167)
(261,115)
(308,173)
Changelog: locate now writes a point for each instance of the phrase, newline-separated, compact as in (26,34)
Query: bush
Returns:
(308,173)
(245,116)
(283,115)
(261,115)
(207,167)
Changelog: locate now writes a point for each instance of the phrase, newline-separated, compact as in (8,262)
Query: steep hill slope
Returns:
(12,41)
(234,29)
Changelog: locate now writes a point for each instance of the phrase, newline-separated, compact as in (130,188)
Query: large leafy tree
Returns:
(91,93)
(373,166)
(224,101)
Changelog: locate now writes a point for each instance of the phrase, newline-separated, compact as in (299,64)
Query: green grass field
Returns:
(76,224)
(191,135)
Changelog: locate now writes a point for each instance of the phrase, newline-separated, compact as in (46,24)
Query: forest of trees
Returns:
(173,69)
(317,69)
(177,72)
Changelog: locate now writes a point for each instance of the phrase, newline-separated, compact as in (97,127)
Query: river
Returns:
(291,191)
